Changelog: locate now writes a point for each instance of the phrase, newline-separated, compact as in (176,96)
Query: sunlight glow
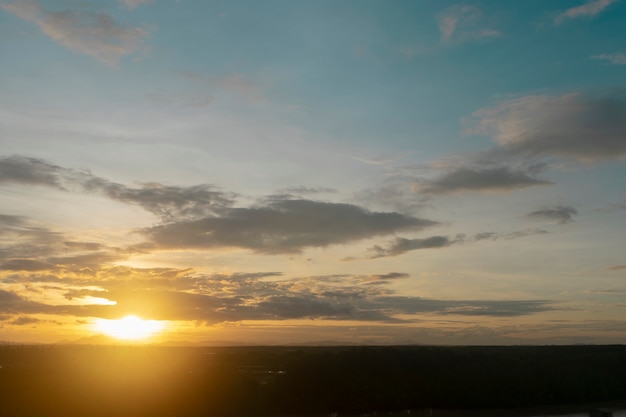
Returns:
(129,328)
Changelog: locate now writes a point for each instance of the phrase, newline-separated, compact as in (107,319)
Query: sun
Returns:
(129,328)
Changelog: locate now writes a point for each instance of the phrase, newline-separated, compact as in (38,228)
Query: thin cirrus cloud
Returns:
(461,23)
(617,58)
(589,9)
(98,35)
(132,4)
(576,126)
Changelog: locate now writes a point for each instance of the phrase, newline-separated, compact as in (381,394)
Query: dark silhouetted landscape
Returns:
(262,381)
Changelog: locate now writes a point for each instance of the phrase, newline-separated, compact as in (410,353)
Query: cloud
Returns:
(516,234)
(493,308)
(25,265)
(21,239)
(23,321)
(29,171)
(462,23)
(465,179)
(401,245)
(29,247)
(573,126)
(559,214)
(589,9)
(616,267)
(131,4)
(167,202)
(184,100)
(302,190)
(399,197)
(95,34)
(283,226)
(389,276)
(255,296)
(617,58)
(203,217)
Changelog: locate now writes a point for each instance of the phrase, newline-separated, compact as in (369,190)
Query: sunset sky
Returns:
(289,171)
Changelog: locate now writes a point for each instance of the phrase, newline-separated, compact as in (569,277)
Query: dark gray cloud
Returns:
(401,245)
(465,179)
(202,216)
(559,214)
(283,226)
(167,202)
(582,127)
(390,276)
(30,171)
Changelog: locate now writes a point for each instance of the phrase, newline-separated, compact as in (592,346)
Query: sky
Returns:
(280,171)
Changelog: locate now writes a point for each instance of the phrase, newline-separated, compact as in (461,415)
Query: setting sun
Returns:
(129,328)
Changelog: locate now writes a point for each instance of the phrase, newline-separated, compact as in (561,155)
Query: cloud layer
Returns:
(166,295)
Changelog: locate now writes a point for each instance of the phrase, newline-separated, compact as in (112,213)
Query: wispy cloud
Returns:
(167,202)
(559,214)
(616,268)
(403,245)
(96,34)
(589,9)
(617,58)
(461,23)
(184,100)
(131,4)
(557,127)
(465,179)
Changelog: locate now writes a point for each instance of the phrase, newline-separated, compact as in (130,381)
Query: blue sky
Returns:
(289,171)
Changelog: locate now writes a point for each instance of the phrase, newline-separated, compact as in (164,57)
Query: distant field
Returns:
(263,381)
